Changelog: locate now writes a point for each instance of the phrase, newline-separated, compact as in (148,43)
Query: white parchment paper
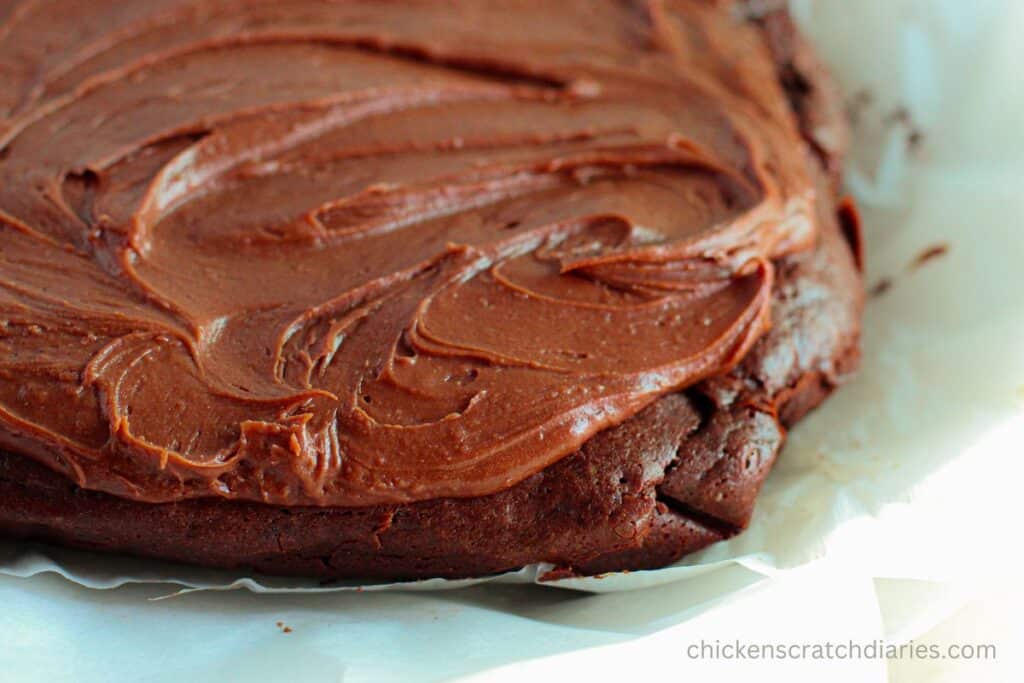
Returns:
(912,469)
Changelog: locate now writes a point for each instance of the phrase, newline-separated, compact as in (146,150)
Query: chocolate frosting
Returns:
(350,253)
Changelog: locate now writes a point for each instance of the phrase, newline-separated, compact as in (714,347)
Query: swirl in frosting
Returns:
(351,253)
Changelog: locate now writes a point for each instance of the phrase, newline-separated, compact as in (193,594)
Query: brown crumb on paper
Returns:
(901,117)
(284,629)
(857,104)
(930,254)
(915,138)
(880,288)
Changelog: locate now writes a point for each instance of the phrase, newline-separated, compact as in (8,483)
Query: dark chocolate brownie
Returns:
(662,474)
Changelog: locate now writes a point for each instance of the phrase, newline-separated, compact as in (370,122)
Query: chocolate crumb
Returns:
(901,116)
(898,115)
(915,138)
(857,104)
(880,288)
(929,254)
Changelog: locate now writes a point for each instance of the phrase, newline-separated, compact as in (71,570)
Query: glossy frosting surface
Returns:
(348,253)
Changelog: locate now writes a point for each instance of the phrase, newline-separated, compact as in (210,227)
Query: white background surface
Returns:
(892,509)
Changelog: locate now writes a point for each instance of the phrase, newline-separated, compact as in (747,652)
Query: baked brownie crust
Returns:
(679,475)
